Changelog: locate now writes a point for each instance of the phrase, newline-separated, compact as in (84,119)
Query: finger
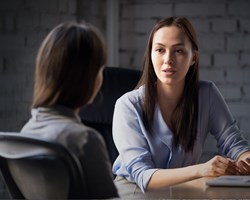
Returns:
(221,168)
(223,163)
(232,170)
(222,159)
(220,165)
(247,168)
(221,171)
(228,166)
(244,167)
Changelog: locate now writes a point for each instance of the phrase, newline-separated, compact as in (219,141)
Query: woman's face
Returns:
(171,55)
(98,84)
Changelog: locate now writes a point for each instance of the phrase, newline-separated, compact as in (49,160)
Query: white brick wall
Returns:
(212,42)
(238,75)
(224,25)
(223,29)
(245,25)
(42,6)
(142,26)
(201,9)
(224,38)
(202,25)
(231,92)
(239,8)
(238,42)
(245,59)
(240,109)
(206,60)
(23,25)
(226,60)
(213,74)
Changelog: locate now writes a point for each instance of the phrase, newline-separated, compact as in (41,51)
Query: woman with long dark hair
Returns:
(160,128)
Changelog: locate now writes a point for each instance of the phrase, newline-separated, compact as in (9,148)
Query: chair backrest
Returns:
(33,168)
(99,114)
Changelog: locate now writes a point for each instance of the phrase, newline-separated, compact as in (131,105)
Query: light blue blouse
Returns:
(141,153)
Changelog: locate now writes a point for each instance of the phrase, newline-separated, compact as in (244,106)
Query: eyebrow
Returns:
(177,44)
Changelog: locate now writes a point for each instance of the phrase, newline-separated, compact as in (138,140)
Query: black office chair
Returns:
(99,114)
(37,169)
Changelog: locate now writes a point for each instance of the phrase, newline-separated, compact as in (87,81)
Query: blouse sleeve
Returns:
(130,139)
(230,140)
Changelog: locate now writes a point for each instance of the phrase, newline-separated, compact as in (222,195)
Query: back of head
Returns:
(67,65)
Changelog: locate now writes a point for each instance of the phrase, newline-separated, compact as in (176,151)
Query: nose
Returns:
(168,58)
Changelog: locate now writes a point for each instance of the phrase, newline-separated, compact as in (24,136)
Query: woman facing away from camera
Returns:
(68,75)
(160,128)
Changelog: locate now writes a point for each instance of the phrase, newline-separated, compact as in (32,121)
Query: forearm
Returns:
(217,166)
(167,177)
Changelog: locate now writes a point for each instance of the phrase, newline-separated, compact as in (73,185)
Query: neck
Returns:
(168,98)
(170,94)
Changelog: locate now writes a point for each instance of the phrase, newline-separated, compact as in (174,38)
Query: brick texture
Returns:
(223,30)
(23,25)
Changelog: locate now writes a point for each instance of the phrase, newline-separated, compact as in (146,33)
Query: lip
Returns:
(168,72)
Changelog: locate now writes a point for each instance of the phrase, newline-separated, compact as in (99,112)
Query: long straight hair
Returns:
(67,65)
(185,115)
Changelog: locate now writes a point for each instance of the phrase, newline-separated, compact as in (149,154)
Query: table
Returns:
(195,189)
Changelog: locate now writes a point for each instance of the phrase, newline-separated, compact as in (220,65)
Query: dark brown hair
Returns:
(185,115)
(67,65)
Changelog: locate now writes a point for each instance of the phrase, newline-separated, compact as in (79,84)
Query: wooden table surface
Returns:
(195,189)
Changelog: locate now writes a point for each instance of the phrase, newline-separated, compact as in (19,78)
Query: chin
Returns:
(167,81)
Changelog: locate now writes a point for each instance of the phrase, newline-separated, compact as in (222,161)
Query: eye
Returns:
(160,50)
(179,51)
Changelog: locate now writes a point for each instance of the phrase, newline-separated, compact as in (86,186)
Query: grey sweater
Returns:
(62,125)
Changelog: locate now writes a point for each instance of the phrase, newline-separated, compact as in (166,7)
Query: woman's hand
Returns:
(243,163)
(218,166)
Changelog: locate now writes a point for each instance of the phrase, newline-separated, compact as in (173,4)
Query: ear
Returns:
(194,58)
